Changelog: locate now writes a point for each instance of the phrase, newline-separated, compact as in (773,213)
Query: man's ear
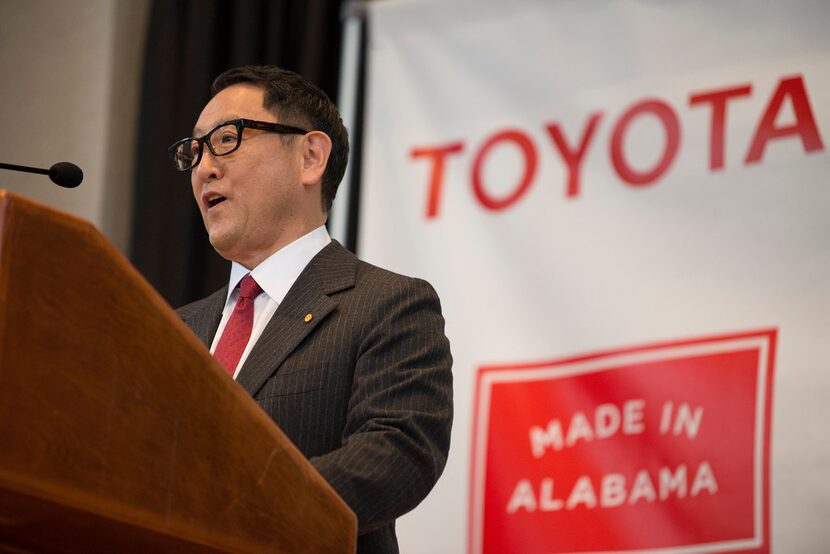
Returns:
(316,149)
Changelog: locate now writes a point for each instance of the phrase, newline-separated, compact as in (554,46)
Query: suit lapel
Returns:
(203,317)
(330,271)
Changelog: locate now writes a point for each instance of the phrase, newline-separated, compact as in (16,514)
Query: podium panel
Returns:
(118,429)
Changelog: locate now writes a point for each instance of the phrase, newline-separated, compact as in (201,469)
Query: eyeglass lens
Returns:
(222,140)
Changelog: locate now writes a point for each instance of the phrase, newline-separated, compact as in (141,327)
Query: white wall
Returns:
(69,89)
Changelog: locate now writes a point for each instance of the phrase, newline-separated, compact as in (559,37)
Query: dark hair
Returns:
(299,103)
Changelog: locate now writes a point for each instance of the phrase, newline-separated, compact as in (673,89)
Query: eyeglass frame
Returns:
(240,125)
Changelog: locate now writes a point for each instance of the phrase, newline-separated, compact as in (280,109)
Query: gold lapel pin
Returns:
(307,318)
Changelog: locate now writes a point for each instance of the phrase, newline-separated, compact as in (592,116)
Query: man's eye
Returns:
(227,138)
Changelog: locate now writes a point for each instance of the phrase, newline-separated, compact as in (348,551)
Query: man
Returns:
(350,360)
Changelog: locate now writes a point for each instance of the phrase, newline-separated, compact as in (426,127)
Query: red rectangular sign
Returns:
(659,448)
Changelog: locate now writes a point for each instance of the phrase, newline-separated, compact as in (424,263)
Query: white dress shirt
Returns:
(275,275)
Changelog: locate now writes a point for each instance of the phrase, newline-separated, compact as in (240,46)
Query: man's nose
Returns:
(209,167)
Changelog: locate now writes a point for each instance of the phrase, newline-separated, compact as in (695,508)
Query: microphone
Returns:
(63,174)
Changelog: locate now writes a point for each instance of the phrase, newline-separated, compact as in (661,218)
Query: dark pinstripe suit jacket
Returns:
(364,389)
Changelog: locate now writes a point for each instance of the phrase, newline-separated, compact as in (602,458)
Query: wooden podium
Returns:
(119,432)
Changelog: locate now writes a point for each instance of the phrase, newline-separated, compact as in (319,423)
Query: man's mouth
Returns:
(214,200)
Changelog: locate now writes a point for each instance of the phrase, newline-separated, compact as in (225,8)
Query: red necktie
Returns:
(238,329)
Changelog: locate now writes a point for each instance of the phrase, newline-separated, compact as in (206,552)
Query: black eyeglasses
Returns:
(222,140)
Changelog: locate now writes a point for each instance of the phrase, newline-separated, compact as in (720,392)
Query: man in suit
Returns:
(350,360)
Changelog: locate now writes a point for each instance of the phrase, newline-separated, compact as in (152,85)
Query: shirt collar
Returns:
(277,273)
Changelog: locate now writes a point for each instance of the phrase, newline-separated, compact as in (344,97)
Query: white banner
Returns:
(624,208)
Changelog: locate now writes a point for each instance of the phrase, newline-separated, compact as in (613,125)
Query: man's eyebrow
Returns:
(198,130)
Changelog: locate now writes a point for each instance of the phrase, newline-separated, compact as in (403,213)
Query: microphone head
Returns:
(66,175)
